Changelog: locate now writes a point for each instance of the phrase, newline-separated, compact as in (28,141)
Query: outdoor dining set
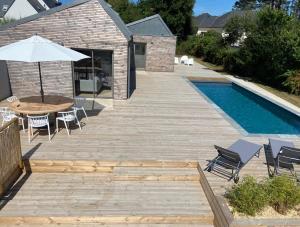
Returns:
(37,108)
(37,113)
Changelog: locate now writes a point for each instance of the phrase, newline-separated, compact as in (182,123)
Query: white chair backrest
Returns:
(7,115)
(176,61)
(38,121)
(68,115)
(12,98)
(184,58)
(79,101)
(3,110)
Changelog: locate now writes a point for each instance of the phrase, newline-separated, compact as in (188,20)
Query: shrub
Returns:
(232,61)
(271,47)
(213,47)
(284,193)
(189,47)
(292,82)
(248,196)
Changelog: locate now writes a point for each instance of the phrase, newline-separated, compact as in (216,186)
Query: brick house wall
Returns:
(86,25)
(160,52)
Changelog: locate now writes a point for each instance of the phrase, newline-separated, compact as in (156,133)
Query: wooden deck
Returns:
(166,124)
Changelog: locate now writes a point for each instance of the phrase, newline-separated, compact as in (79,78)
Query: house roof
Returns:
(205,20)
(51,3)
(36,5)
(115,17)
(3,3)
(150,26)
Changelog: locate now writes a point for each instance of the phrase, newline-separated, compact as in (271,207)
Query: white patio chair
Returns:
(8,115)
(191,61)
(3,109)
(12,98)
(79,103)
(184,59)
(176,61)
(38,122)
(67,117)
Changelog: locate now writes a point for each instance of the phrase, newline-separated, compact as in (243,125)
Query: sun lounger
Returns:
(235,157)
(191,61)
(184,59)
(176,60)
(272,151)
(285,157)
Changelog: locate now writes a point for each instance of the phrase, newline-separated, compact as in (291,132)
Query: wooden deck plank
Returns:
(67,198)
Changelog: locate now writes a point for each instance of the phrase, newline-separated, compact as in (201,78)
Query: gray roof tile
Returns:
(150,26)
(3,3)
(36,5)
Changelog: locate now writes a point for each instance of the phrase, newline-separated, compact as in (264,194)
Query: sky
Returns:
(213,7)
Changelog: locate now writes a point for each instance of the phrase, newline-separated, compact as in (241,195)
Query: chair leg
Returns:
(78,122)
(23,126)
(56,125)
(84,113)
(66,125)
(29,132)
(49,132)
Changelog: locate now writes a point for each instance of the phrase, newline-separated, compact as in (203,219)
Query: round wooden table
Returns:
(34,106)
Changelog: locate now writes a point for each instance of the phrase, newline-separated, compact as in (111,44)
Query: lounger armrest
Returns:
(291,154)
(293,149)
(228,154)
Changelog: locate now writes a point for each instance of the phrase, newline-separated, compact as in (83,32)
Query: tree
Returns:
(272,47)
(245,5)
(177,14)
(237,26)
(128,10)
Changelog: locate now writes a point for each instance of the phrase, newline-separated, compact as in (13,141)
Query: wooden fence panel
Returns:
(11,164)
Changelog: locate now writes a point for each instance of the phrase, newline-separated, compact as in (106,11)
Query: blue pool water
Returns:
(252,112)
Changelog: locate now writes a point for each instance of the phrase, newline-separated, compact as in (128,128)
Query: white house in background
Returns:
(207,22)
(16,9)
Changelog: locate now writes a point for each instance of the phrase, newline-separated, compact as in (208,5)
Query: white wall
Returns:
(20,9)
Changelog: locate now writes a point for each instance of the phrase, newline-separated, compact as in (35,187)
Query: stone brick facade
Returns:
(160,52)
(87,26)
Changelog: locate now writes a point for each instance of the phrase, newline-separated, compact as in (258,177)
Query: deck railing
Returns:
(11,164)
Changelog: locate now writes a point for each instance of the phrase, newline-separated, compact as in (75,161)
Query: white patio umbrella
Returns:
(38,49)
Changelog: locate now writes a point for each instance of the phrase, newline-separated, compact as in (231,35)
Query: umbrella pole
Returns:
(41,82)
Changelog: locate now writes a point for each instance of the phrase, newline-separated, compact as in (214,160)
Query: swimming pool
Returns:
(252,112)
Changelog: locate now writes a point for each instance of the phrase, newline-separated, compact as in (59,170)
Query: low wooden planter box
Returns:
(224,218)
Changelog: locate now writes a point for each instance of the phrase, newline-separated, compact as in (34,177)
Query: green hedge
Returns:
(270,53)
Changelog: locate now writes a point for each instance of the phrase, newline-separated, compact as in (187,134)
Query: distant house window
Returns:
(5,8)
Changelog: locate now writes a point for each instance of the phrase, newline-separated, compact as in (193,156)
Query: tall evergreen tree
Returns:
(177,14)
(245,4)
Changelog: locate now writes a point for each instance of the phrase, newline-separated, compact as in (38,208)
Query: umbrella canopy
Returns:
(38,49)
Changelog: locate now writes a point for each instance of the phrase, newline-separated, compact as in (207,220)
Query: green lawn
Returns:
(217,68)
(294,99)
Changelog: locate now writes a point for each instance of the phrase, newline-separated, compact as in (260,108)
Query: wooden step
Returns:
(118,171)
(92,198)
(100,166)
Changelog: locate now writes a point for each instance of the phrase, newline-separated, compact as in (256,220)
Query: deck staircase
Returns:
(89,193)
